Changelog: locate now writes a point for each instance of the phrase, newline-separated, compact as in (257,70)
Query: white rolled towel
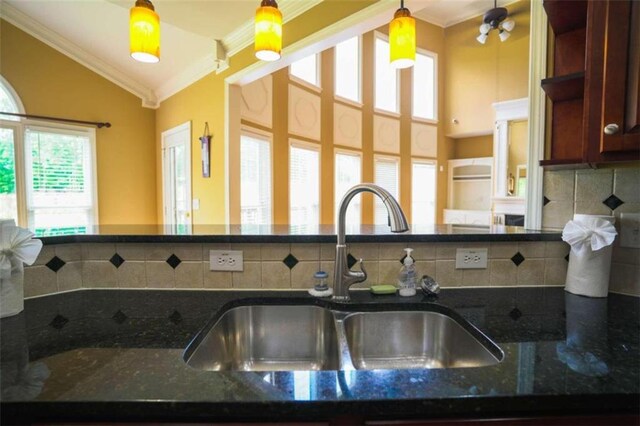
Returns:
(17,248)
(590,238)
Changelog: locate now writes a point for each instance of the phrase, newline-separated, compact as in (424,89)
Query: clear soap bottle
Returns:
(407,276)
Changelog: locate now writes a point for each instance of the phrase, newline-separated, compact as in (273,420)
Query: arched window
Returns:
(9,101)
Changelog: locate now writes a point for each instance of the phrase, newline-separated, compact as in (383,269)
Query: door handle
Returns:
(611,129)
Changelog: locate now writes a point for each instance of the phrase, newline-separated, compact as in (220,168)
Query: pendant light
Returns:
(402,38)
(268,31)
(496,18)
(144,32)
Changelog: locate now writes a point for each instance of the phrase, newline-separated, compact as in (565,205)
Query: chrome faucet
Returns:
(343,276)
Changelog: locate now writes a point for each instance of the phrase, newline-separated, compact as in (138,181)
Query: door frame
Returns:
(165,144)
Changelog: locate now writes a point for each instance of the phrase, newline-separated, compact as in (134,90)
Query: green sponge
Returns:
(383,289)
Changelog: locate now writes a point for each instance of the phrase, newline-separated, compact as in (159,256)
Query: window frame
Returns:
(378,35)
(22,169)
(359,103)
(310,146)
(434,163)
(253,132)
(388,158)
(299,80)
(336,202)
(414,117)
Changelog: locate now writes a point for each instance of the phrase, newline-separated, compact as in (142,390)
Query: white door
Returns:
(176,177)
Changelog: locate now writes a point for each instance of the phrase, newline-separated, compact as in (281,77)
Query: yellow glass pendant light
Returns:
(268,31)
(402,38)
(144,32)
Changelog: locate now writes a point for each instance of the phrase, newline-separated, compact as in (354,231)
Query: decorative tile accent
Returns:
(545,201)
(351,260)
(613,202)
(58,322)
(517,258)
(174,261)
(515,314)
(175,317)
(116,260)
(290,261)
(55,263)
(566,257)
(119,317)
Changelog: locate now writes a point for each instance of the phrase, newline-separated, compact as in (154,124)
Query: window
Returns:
(347,172)
(60,182)
(8,195)
(304,184)
(386,78)
(306,69)
(424,86)
(347,69)
(423,193)
(255,180)
(386,175)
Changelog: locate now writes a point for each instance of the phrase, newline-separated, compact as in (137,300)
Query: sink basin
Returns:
(416,339)
(268,338)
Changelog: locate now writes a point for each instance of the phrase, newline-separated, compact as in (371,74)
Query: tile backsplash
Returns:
(600,192)
(282,266)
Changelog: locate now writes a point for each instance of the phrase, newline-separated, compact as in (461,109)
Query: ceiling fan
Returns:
(496,19)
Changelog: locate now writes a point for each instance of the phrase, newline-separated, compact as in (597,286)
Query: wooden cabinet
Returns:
(594,90)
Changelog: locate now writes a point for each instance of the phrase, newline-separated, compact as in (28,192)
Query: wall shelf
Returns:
(564,87)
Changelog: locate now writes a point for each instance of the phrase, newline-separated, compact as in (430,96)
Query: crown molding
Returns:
(84,58)
(243,36)
(193,73)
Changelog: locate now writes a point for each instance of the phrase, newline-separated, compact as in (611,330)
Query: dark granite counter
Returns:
(100,355)
(289,234)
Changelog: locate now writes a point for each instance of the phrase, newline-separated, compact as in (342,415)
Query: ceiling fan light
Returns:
(268,31)
(482,38)
(144,32)
(504,35)
(485,28)
(402,39)
(508,24)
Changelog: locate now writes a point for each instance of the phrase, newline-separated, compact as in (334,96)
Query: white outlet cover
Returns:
(226,260)
(630,230)
(475,258)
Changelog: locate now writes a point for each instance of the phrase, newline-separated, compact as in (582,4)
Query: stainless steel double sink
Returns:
(303,337)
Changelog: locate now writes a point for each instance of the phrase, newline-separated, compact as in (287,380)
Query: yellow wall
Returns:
(472,147)
(51,84)
(518,146)
(204,101)
(478,75)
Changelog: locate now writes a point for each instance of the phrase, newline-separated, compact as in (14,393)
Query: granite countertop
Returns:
(109,355)
(290,234)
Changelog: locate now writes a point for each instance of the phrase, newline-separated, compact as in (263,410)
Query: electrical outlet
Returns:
(225,260)
(630,230)
(471,258)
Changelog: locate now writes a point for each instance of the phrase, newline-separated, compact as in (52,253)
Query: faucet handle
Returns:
(364,271)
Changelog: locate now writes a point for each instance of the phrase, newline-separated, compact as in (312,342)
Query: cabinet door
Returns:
(618,134)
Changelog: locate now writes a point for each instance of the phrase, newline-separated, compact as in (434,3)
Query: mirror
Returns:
(339,115)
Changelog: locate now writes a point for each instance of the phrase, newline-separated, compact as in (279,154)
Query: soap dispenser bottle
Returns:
(407,276)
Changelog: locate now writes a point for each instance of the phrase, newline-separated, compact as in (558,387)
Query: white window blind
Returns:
(386,79)
(304,185)
(255,181)
(347,69)
(306,69)
(386,176)
(424,87)
(60,181)
(423,193)
(347,171)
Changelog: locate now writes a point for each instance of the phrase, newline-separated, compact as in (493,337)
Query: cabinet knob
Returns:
(611,129)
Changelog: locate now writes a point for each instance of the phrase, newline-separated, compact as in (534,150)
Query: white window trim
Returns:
(353,153)
(252,132)
(414,117)
(339,98)
(14,96)
(297,143)
(316,88)
(165,145)
(387,158)
(20,173)
(417,160)
(45,126)
(379,35)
